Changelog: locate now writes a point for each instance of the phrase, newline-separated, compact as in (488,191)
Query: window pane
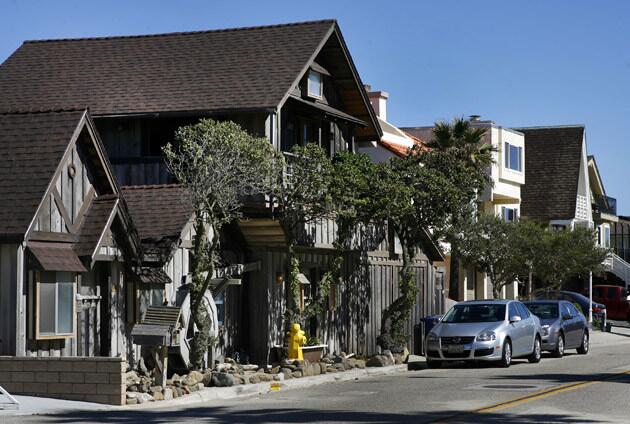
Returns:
(314,84)
(47,303)
(515,159)
(506,153)
(65,308)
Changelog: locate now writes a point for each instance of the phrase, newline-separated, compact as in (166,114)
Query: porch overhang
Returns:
(56,257)
(329,111)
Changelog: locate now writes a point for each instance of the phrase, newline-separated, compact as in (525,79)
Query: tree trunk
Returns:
(395,316)
(453,289)
(201,262)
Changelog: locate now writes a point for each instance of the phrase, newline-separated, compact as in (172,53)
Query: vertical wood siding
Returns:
(369,286)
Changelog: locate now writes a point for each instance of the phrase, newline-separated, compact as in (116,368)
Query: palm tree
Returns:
(467,142)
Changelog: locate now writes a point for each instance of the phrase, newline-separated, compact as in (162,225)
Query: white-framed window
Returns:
(513,157)
(509,214)
(55,304)
(315,84)
(603,235)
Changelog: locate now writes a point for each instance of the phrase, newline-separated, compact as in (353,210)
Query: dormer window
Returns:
(315,84)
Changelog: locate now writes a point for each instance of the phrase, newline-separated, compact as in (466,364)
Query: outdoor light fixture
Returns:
(279,278)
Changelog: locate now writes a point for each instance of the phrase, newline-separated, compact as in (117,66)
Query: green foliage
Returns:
(510,251)
(352,192)
(488,245)
(428,189)
(218,164)
(566,254)
(302,196)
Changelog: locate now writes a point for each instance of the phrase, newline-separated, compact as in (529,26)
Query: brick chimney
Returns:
(378,99)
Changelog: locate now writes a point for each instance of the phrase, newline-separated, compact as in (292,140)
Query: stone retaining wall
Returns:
(94,379)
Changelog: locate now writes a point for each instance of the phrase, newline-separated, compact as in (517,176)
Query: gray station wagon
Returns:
(488,330)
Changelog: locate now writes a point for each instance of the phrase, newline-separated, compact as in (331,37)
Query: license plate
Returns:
(456,349)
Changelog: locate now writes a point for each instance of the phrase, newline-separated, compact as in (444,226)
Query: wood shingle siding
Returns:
(552,168)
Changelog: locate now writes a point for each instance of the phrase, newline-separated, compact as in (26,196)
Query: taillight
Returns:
(597,309)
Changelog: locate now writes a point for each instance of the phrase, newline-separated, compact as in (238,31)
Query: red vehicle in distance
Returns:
(616,300)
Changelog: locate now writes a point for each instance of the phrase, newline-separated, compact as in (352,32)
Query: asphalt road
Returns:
(593,388)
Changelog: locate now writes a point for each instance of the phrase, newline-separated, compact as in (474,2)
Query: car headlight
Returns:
(545,330)
(432,337)
(486,336)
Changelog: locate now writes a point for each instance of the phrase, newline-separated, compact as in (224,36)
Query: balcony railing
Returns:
(605,204)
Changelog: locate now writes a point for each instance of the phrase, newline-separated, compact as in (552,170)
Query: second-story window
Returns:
(315,84)
(513,157)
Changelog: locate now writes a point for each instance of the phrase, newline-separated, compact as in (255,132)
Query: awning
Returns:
(153,275)
(56,257)
(329,110)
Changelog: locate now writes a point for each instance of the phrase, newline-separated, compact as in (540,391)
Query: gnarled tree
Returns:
(219,164)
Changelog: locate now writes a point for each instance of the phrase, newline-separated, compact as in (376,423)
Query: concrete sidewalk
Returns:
(30,405)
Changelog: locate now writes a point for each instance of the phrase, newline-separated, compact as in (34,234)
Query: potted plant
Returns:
(314,350)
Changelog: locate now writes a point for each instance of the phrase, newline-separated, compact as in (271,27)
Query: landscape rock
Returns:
(250,367)
(254,379)
(359,363)
(144,398)
(193,378)
(286,372)
(380,361)
(221,379)
(168,393)
(297,374)
(265,377)
(223,367)
(133,401)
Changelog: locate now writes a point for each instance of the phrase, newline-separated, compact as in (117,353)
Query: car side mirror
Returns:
(515,319)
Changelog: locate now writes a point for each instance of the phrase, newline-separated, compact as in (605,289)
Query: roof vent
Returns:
(474,118)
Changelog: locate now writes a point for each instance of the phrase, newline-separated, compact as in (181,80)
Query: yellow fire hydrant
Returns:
(297,339)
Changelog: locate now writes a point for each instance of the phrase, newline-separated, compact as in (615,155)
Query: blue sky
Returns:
(518,63)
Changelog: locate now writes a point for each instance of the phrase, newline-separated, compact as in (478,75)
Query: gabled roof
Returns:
(159,212)
(552,167)
(31,147)
(240,69)
(94,223)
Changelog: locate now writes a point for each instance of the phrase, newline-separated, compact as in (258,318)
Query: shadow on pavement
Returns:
(568,378)
(224,415)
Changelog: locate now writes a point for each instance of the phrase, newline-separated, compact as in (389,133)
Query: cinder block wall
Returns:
(95,379)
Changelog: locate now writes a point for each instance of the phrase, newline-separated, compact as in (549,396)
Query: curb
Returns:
(225,393)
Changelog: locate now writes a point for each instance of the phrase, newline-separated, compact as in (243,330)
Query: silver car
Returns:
(563,326)
(488,330)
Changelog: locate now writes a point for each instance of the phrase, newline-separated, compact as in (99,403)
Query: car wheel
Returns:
(433,363)
(583,349)
(559,350)
(534,358)
(506,356)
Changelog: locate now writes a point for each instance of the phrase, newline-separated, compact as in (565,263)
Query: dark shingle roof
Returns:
(159,212)
(552,168)
(56,257)
(94,224)
(246,68)
(31,146)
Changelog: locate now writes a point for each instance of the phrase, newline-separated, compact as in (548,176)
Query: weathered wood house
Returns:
(292,84)
(66,239)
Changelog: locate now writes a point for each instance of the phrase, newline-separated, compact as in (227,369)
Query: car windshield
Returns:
(475,313)
(543,310)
